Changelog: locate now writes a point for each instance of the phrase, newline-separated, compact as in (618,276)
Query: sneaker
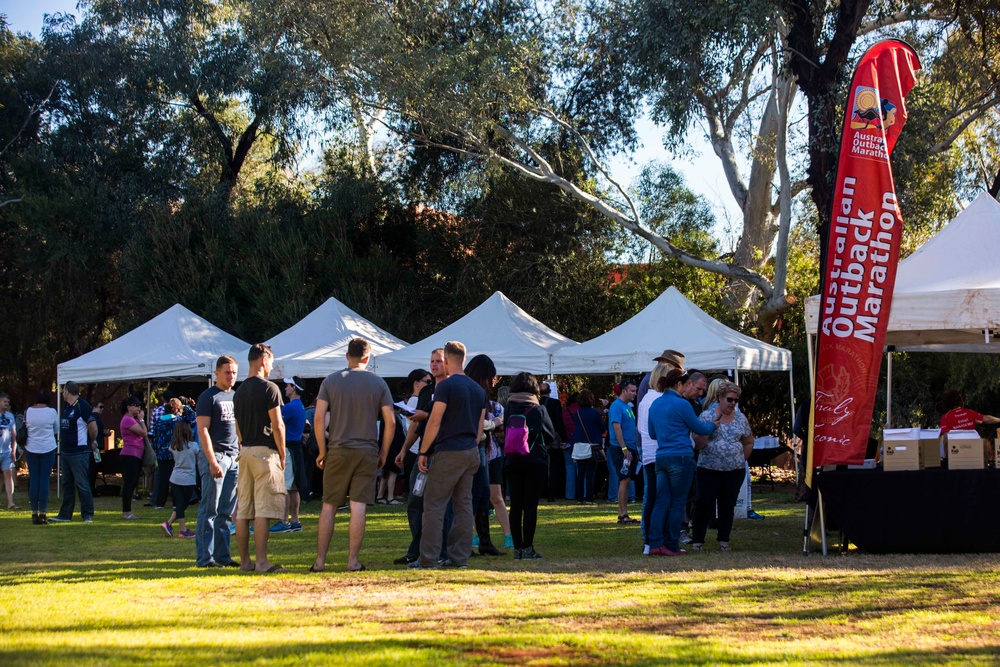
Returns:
(685,539)
(90,519)
(58,519)
(753,516)
(529,553)
(404,560)
(517,554)
(415,565)
(475,541)
(381,501)
(186,533)
(295,527)
(167,529)
(345,506)
(159,507)
(645,549)
(508,541)
(395,501)
(232,529)
(449,563)
(281,527)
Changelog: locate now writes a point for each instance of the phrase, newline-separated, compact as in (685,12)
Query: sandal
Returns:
(696,546)
(724,547)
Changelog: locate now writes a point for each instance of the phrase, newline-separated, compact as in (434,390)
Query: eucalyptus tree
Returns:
(225,75)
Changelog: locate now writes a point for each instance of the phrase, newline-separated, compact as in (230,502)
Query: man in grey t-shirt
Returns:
(353,398)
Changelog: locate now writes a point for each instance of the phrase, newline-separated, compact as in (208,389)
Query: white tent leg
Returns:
(888,390)
(736,375)
(791,395)
(59,442)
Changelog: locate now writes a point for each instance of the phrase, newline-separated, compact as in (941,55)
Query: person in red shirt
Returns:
(957,417)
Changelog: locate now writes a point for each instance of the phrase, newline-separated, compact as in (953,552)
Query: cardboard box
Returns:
(901,449)
(966,451)
(930,448)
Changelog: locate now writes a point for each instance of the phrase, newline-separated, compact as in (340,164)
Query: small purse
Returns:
(596,450)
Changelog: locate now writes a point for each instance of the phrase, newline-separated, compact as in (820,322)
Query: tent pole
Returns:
(888,390)
(149,409)
(59,441)
(791,396)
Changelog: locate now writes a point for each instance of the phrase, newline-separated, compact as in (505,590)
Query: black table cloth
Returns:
(918,511)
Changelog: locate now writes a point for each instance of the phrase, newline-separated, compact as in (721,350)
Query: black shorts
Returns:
(496,470)
(616,458)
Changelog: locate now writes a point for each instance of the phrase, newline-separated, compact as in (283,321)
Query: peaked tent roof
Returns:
(948,291)
(671,321)
(174,344)
(514,340)
(316,345)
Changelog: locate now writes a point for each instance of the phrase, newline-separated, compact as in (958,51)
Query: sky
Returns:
(702,171)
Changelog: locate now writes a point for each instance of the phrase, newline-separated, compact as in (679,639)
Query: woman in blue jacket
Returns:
(671,422)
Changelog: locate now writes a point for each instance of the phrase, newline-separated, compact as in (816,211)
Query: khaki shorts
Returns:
(349,472)
(260,485)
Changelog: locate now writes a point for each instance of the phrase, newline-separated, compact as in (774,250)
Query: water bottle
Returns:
(624,471)
(419,484)
(97,456)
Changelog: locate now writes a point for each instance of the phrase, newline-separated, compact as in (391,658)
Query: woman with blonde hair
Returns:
(721,464)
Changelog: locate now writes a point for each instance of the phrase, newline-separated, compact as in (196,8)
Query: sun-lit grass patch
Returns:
(120,593)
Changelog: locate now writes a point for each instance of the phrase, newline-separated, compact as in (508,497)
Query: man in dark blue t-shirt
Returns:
(218,467)
(453,431)
(77,441)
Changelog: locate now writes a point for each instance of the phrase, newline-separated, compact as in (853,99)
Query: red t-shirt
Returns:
(960,419)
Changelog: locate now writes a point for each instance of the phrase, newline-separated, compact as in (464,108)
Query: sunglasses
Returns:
(427,380)
(730,399)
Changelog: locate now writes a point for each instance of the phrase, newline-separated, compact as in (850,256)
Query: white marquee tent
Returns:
(176,344)
(671,321)
(947,293)
(315,346)
(498,327)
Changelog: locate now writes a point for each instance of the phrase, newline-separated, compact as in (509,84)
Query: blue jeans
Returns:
(76,476)
(673,481)
(481,486)
(218,500)
(570,473)
(39,474)
(648,498)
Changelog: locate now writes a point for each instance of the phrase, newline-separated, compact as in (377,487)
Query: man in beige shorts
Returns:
(354,398)
(260,484)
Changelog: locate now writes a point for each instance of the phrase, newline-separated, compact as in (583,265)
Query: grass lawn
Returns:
(118,592)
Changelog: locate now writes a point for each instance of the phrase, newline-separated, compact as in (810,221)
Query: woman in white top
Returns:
(647,448)
(42,424)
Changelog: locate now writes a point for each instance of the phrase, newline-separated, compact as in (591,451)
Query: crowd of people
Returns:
(466,448)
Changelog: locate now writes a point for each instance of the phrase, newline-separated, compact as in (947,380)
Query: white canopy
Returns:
(175,344)
(947,292)
(670,322)
(514,340)
(315,346)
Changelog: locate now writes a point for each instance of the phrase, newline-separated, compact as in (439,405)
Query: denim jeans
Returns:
(648,498)
(415,517)
(481,486)
(218,500)
(39,475)
(76,476)
(570,473)
(673,481)
(585,469)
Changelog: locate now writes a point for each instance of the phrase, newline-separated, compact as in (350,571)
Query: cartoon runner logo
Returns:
(870,112)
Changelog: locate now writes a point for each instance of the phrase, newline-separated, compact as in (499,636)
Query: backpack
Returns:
(515,439)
